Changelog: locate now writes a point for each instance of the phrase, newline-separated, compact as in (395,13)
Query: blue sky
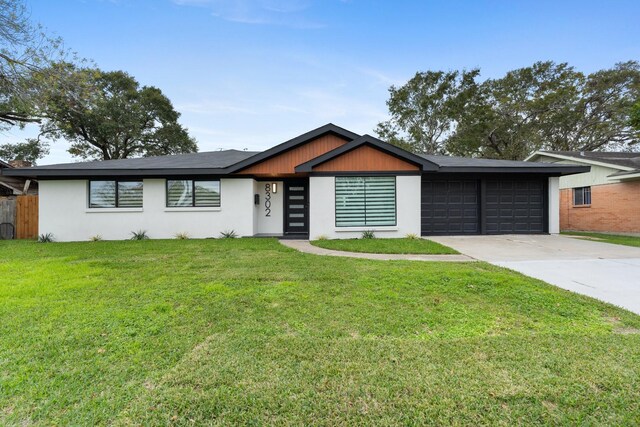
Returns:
(253,73)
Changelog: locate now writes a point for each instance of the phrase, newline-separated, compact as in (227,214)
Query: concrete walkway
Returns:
(605,271)
(306,247)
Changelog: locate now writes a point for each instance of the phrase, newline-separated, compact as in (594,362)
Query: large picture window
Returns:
(115,194)
(365,201)
(582,196)
(190,193)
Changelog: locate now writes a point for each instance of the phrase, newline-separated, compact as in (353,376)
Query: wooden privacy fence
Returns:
(27,217)
(22,213)
(7,216)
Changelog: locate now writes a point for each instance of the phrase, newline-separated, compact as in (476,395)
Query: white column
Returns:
(554,205)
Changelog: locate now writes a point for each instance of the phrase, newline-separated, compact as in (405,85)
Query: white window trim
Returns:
(194,209)
(365,228)
(113,210)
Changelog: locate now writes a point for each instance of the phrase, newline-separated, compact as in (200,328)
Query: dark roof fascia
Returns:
(292,143)
(77,173)
(367,173)
(548,170)
(373,142)
(5,165)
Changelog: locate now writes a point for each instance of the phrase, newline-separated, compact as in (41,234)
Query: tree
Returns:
(634,117)
(107,115)
(31,151)
(423,111)
(545,106)
(512,116)
(24,48)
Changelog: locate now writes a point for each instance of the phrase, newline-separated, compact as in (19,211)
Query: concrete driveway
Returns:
(605,271)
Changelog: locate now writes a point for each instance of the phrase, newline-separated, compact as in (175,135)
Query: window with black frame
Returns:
(365,201)
(582,196)
(115,194)
(192,193)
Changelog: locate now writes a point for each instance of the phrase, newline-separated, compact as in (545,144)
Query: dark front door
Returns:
(296,207)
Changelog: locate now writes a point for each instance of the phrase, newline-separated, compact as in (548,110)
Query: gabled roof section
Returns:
(4,164)
(423,164)
(624,161)
(293,143)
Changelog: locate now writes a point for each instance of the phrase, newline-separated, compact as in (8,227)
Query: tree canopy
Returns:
(23,49)
(103,115)
(108,115)
(545,106)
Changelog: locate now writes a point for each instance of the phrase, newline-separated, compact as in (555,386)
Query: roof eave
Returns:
(545,170)
(625,177)
(579,160)
(82,173)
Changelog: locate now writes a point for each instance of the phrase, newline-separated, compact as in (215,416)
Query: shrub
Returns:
(139,235)
(46,238)
(368,234)
(412,236)
(182,236)
(95,238)
(228,234)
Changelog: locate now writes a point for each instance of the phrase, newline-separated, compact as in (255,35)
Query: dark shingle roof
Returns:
(452,161)
(208,159)
(205,163)
(625,159)
(467,164)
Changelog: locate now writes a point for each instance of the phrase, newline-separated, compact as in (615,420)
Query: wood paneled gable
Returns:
(286,162)
(365,159)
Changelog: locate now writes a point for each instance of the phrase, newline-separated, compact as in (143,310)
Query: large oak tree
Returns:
(108,115)
(544,106)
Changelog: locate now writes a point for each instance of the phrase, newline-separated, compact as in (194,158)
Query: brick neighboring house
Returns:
(606,199)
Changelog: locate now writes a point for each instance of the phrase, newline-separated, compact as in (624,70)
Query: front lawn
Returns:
(248,331)
(608,238)
(386,246)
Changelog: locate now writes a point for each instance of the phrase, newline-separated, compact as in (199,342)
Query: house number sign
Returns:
(267,200)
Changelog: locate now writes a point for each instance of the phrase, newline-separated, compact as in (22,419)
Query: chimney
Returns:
(20,164)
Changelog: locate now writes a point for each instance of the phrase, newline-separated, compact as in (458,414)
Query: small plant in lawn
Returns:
(412,236)
(95,238)
(45,238)
(228,234)
(182,236)
(368,234)
(139,235)
(322,237)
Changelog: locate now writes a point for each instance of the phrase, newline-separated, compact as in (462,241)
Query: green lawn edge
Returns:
(616,239)
(403,246)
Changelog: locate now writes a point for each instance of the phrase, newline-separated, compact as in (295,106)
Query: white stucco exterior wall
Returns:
(270,222)
(64,212)
(322,210)
(554,205)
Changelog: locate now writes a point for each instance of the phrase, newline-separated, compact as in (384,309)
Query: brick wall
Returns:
(614,207)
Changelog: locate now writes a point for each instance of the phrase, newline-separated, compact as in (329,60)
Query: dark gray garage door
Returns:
(515,206)
(450,207)
(483,206)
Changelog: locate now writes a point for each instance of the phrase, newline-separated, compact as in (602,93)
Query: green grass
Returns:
(246,331)
(608,238)
(386,246)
